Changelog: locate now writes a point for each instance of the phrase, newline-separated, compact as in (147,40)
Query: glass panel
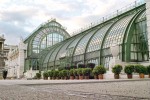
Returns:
(96,40)
(80,49)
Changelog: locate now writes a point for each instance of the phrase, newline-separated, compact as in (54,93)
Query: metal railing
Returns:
(110,16)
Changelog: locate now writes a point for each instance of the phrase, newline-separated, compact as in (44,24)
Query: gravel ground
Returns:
(128,90)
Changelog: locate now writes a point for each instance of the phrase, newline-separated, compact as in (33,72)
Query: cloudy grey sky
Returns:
(21,17)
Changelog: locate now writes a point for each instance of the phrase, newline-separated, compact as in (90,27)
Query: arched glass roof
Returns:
(63,49)
(80,49)
(96,40)
(116,33)
(94,43)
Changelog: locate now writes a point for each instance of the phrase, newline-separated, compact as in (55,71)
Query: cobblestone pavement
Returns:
(122,90)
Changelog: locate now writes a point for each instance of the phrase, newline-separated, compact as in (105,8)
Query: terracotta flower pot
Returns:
(57,78)
(80,77)
(65,78)
(77,77)
(141,75)
(46,78)
(95,77)
(71,77)
(100,76)
(116,76)
(86,77)
(129,76)
(62,78)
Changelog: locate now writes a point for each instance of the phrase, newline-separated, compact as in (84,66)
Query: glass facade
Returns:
(139,43)
(93,45)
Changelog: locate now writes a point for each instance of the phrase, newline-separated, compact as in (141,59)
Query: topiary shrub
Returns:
(55,73)
(71,72)
(90,65)
(75,72)
(4,74)
(65,73)
(148,69)
(80,71)
(117,69)
(129,69)
(61,68)
(38,75)
(45,75)
(140,69)
(81,65)
(100,69)
(73,67)
(50,73)
(86,71)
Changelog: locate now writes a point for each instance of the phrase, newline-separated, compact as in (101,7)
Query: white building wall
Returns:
(15,65)
(21,59)
(148,20)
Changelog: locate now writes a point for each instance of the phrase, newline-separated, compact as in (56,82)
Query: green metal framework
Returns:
(128,30)
(41,40)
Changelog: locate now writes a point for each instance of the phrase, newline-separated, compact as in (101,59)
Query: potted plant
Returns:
(80,73)
(75,74)
(129,69)
(56,74)
(141,70)
(65,74)
(61,74)
(4,74)
(71,74)
(148,70)
(45,75)
(50,73)
(95,73)
(116,70)
(100,71)
(73,67)
(90,65)
(38,75)
(86,73)
(61,68)
(81,65)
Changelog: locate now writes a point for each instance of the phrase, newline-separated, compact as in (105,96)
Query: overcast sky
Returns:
(21,17)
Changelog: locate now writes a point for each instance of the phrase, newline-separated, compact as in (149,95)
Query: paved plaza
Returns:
(135,89)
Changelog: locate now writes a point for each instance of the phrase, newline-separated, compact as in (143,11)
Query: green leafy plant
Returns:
(100,69)
(61,68)
(55,73)
(65,73)
(117,69)
(86,71)
(148,69)
(95,72)
(61,74)
(45,75)
(38,75)
(129,69)
(90,65)
(75,72)
(80,71)
(50,73)
(81,65)
(140,69)
(71,72)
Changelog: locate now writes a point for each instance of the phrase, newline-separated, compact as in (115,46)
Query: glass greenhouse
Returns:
(51,46)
